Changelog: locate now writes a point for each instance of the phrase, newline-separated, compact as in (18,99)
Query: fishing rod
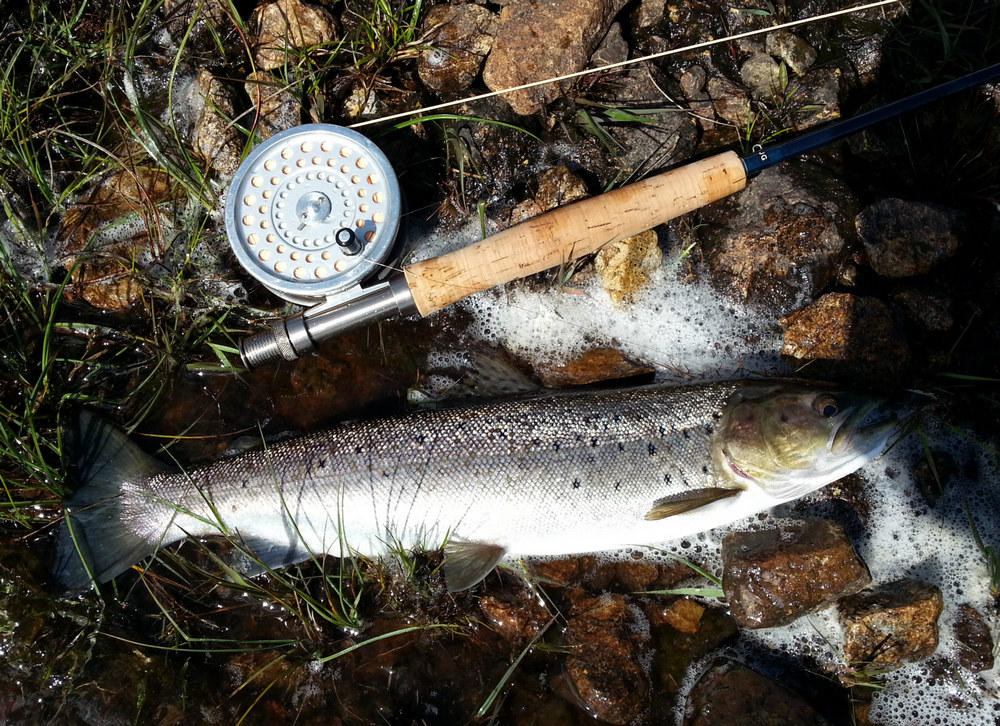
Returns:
(313,211)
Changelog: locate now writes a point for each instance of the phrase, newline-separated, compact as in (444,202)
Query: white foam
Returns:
(689,332)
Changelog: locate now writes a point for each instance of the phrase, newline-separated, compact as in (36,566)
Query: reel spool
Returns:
(311,213)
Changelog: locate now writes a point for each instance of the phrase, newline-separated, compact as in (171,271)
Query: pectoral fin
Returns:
(466,563)
(673,504)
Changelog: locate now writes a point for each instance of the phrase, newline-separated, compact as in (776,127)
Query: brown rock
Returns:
(277,108)
(904,238)
(604,665)
(214,136)
(554,188)
(975,651)
(567,571)
(515,620)
(845,327)
(892,624)
(729,693)
(683,615)
(778,242)
(289,25)
(771,577)
(458,39)
(108,276)
(729,100)
(593,366)
(537,40)
(627,266)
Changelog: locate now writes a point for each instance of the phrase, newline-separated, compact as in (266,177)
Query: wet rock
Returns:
(797,54)
(277,108)
(762,75)
(730,693)
(814,99)
(692,81)
(458,39)
(180,13)
(593,366)
(778,242)
(729,101)
(535,41)
(555,187)
(286,26)
(516,619)
(106,271)
(930,311)
(562,572)
(891,624)
(904,238)
(683,632)
(214,136)
(975,651)
(613,48)
(649,13)
(604,665)
(627,266)
(683,615)
(860,331)
(771,577)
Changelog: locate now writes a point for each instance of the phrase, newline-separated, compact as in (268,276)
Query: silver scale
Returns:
(312,213)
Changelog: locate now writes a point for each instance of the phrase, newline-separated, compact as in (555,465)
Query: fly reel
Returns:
(312,213)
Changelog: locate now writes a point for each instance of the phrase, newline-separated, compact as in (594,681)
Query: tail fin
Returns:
(94,543)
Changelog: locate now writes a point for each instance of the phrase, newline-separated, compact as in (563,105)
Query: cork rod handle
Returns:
(569,232)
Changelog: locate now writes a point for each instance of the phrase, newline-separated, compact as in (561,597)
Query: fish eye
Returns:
(826,405)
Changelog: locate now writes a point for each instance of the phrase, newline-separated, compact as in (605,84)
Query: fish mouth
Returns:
(873,427)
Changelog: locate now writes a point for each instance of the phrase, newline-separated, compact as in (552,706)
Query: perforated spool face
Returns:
(294,193)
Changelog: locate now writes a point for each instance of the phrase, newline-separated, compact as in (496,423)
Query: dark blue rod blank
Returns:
(763,158)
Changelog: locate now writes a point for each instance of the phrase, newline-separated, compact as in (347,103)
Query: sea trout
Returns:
(552,475)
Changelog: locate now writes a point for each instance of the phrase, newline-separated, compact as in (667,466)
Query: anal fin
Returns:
(466,563)
(673,504)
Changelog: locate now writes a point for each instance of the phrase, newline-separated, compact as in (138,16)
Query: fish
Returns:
(556,474)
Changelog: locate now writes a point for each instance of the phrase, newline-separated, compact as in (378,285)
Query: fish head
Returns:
(790,439)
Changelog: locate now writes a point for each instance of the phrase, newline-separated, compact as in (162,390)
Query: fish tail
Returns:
(94,543)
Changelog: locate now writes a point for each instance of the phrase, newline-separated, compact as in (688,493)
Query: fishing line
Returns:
(622,64)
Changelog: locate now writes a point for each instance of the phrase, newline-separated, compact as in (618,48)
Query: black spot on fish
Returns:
(358,449)
(663,432)
(651,449)
(243,484)
(709,429)
(704,469)
(618,485)
(576,483)
(687,434)
(555,446)
(783,417)
(536,442)
(593,441)
(420,438)
(322,463)
(617,418)
(666,477)
(621,446)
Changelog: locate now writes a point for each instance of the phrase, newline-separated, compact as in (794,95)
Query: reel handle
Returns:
(570,232)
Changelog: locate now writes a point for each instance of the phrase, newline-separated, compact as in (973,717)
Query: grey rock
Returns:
(905,238)
(762,75)
(214,136)
(277,108)
(729,100)
(797,53)
(287,26)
